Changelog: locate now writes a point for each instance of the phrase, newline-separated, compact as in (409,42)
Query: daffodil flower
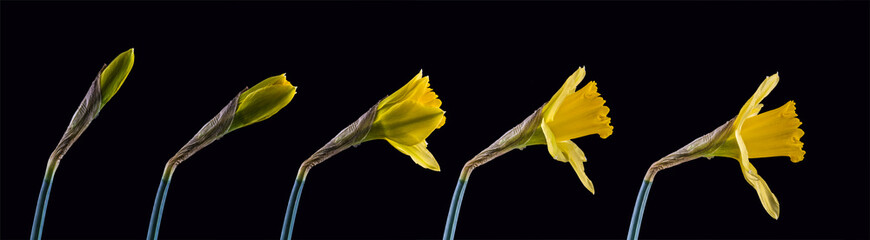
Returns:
(250,106)
(404,119)
(109,79)
(749,135)
(569,114)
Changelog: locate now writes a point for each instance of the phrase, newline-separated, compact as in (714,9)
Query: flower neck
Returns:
(518,137)
(350,136)
(703,146)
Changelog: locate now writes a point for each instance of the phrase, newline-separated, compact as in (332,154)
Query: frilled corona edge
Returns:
(350,136)
(694,150)
(212,131)
(87,111)
(517,137)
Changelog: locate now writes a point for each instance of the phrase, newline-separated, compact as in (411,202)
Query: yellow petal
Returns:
(407,123)
(410,89)
(409,115)
(275,80)
(261,103)
(552,144)
(747,111)
(443,120)
(576,157)
(762,92)
(114,74)
(774,133)
(419,154)
(582,113)
(768,200)
(567,89)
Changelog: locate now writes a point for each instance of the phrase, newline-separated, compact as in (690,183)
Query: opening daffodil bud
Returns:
(114,74)
(407,117)
(262,101)
(572,114)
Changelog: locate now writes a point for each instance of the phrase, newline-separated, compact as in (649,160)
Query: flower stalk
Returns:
(249,106)
(212,131)
(517,138)
(692,151)
(109,79)
(350,136)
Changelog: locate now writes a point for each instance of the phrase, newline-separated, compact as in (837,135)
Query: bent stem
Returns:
(517,137)
(692,151)
(213,130)
(351,135)
(637,214)
(159,200)
(331,148)
(84,115)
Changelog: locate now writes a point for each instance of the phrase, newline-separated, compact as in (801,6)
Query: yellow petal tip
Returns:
(774,213)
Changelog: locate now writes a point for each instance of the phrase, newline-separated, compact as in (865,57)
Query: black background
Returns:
(670,72)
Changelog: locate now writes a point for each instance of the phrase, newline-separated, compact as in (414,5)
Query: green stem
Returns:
(159,200)
(637,214)
(290,215)
(42,202)
(455,204)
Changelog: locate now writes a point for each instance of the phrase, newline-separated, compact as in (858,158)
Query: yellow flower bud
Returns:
(262,101)
(114,74)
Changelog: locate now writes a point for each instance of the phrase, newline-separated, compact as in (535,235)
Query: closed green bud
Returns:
(262,101)
(113,76)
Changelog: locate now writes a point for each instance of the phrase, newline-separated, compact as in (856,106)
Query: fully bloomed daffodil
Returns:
(404,119)
(248,107)
(109,79)
(749,135)
(569,114)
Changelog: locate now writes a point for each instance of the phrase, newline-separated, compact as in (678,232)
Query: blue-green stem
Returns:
(295,195)
(290,215)
(456,204)
(637,214)
(42,202)
(159,200)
